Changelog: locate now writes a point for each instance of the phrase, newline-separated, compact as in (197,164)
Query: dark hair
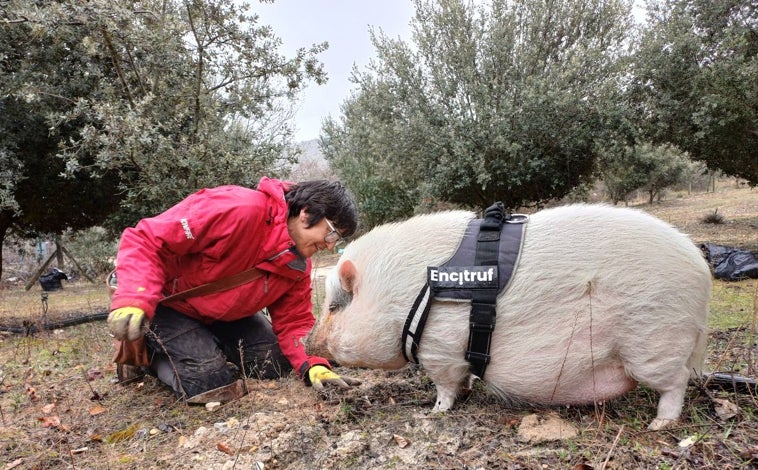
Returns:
(322,198)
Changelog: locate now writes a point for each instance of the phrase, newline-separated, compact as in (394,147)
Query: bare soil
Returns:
(61,408)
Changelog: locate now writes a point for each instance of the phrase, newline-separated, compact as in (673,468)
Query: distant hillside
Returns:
(310,150)
(311,163)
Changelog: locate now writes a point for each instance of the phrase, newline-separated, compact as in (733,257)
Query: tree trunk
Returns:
(59,252)
(4,226)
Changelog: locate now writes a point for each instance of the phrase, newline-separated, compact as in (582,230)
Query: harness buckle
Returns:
(477,357)
(482,327)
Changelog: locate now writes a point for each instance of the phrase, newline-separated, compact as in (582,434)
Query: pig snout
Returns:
(316,343)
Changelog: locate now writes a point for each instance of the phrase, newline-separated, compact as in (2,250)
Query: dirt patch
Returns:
(62,409)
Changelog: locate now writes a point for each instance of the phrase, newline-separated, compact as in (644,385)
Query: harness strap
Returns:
(414,324)
(486,251)
(483,303)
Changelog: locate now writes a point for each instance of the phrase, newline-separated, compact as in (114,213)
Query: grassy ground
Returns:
(60,406)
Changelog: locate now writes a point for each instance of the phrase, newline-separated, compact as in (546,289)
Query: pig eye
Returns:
(340,301)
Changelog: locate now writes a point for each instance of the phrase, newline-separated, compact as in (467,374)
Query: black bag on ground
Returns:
(731,264)
(52,280)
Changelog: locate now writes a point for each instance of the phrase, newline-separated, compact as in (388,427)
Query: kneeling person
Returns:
(211,235)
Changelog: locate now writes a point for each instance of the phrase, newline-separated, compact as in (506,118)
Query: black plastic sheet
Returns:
(731,264)
(52,280)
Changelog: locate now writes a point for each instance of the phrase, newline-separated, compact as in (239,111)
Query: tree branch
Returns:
(117,64)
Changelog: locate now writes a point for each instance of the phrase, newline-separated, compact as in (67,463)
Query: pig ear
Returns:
(348,276)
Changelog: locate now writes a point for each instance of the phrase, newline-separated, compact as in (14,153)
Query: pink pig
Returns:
(602,298)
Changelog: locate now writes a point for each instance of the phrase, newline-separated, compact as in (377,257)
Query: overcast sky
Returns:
(344,24)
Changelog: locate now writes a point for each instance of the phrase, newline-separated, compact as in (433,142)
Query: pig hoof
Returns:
(440,407)
(658,423)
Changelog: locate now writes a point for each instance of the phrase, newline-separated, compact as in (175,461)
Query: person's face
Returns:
(309,240)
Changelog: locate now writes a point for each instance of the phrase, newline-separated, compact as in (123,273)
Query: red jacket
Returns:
(213,234)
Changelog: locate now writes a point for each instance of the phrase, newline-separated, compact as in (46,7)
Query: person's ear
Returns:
(304,217)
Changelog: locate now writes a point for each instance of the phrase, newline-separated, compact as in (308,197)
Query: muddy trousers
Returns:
(191,357)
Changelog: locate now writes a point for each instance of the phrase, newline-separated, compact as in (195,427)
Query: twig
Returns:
(95,395)
(241,350)
(613,446)
(729,346)
(182,393)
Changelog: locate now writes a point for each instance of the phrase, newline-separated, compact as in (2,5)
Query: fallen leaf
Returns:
(122,435)
(224,448)
(96,410)
(50,421)
(689,441)
(13,464)
(401,441)
(94,374)
(726,409)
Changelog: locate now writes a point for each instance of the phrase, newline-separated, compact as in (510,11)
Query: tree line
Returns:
(527,101)
(113,110)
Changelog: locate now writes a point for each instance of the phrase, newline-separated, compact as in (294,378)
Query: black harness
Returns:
(477,272)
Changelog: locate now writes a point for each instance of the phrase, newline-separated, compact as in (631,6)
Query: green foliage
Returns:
(497,102)
(120,109)
(666,167)
(40,78)
(695,81)
(643,166)
(93,248)
(621,172)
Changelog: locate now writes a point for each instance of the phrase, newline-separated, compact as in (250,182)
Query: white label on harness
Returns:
(462,277)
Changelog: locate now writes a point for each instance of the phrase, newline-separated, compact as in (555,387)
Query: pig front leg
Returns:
(447,392)
(445,397)
(448,379)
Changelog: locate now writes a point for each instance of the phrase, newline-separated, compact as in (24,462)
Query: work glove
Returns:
(127,323)
(321,375)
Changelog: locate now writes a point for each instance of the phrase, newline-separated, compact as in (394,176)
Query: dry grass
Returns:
(60,407)
(738,206)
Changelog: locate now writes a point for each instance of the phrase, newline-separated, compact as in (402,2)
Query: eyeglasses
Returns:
(333,236)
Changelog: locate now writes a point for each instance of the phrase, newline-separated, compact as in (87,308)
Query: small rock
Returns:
(212,406)
(221,427)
